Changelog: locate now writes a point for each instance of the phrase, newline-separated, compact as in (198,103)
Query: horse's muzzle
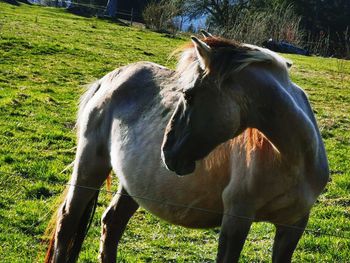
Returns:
(180,167)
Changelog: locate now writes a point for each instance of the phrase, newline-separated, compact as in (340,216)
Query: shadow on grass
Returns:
(16,2)
(12,2)
(89,12)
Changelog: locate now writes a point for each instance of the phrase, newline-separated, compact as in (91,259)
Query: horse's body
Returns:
(246,177)
(148,92)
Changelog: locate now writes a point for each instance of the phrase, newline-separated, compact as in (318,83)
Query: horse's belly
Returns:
(192,201)
(189,201)
(186,215)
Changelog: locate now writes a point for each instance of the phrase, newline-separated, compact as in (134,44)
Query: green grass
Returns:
(47,56)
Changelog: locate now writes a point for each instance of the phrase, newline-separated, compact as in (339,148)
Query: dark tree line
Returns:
(329,18)
(318,18)
(317,15)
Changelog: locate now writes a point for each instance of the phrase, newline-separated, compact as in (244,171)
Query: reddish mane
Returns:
(252,141)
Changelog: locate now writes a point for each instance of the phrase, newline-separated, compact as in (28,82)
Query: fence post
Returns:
(131,17)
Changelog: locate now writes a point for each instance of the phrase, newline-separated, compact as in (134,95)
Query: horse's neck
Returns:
(285,123)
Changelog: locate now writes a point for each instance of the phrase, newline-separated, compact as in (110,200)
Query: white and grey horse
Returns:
(229,118)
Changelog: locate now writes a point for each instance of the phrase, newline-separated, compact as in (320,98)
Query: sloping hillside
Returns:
(46,58)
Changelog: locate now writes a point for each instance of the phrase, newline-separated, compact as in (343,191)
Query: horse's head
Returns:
(209,111)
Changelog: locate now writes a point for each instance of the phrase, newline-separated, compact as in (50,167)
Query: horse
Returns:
(227,137)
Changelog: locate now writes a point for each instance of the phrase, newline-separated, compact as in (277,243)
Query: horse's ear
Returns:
(205,33)
(203,52)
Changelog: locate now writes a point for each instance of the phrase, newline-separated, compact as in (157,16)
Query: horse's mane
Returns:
(229,56)
(255,142)
(252,144)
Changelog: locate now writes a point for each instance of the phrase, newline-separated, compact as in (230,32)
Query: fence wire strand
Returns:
(345,234)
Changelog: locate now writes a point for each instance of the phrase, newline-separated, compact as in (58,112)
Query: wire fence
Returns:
(339,233)
(34,227)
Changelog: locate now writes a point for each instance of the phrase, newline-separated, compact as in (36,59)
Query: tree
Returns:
(218,11)
(326,17)
(160,15)
(221,13)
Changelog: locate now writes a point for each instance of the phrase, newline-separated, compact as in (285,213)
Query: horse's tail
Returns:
(84,225)
(50,231)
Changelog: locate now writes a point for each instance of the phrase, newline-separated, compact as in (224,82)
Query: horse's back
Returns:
(133,88)
(124,93)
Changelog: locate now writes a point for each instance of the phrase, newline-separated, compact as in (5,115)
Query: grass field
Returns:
(46,58)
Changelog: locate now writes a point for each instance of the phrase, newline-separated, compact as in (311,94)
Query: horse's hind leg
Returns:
(114,221)
(91,168)
(286,240)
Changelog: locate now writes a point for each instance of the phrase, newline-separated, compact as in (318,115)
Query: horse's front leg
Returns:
(114,221)
(235,227)
(286,240)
